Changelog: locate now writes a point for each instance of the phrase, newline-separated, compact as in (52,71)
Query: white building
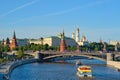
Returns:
(73,36)
(114,43)
(54,41)
(83,41)
(79,41)
(35,41)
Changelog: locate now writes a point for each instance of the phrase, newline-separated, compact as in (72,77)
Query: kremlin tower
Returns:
(62,43)
(13,42)
(104,47)
(3,41)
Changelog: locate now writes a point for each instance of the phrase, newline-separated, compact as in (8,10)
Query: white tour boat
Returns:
(84,72)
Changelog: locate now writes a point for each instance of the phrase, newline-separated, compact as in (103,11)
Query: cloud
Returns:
(18,8)
(74,9)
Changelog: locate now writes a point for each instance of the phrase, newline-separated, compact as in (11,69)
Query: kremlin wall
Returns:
(55,40)
(51,41)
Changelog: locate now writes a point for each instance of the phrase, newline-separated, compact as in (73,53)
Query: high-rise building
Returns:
(13,43)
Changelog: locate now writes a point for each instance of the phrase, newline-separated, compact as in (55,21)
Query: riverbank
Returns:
(115,64)
(48,71)
(7,68)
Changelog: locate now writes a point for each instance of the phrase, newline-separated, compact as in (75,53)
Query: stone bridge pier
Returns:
(111,61)
(39,56)
(110,57)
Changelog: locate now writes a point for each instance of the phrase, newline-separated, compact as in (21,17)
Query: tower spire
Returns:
(63,35)
(14,36)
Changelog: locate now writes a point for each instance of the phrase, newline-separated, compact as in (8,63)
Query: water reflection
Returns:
(66,71)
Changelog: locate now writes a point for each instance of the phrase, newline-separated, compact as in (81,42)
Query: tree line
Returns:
(94,46)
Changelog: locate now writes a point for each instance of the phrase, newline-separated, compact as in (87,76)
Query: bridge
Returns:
(46,56)
(73,55)
(111,59)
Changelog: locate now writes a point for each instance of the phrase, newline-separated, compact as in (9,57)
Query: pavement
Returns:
(4,67)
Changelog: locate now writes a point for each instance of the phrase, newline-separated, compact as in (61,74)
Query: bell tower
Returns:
(77,35)
(13,43)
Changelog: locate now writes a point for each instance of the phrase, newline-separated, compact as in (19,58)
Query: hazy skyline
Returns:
(43,18)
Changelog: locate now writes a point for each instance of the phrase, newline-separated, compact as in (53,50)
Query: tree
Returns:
(74,48)
(16,48)
(110,48)
(51,48)
(20,54)
(6,48)
(46,47)
(7,41)
(1,48)
(96,49)
(58,48)
(69,48)
(1,54)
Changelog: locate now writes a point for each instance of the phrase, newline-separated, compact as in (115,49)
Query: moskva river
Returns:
(63,71)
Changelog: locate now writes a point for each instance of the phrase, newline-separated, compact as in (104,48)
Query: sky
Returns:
(96,19)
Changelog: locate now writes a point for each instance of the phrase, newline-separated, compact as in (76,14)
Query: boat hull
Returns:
(83,75)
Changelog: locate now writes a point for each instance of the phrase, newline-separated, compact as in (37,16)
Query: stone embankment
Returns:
(115,64)
(7,68)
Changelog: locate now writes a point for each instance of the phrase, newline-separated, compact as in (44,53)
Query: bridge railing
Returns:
(58,54)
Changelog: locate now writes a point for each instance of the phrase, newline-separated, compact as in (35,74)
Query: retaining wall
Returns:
(115,64)
(6,76)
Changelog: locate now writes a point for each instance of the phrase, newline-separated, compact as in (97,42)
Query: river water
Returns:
(63,71)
